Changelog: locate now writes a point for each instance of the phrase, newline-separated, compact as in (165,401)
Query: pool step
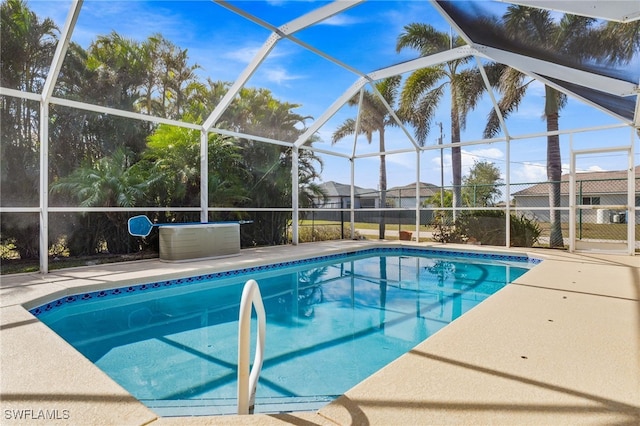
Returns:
(226,406)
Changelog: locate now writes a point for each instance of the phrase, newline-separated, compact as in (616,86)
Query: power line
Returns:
(532,162)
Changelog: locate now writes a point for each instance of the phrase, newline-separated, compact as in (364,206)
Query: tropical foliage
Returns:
(576,38)
(425,88)
(26,50)
(101,160)
(487,227)
(375,117)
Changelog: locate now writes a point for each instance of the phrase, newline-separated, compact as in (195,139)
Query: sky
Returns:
(363,37)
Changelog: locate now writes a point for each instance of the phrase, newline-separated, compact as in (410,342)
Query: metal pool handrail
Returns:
(247,381)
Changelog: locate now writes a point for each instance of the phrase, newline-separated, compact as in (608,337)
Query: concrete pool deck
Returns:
(560,345)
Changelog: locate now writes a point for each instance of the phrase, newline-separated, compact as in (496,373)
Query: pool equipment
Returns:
(191,241)
(141,226)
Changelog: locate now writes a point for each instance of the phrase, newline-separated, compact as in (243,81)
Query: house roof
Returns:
(408,191)
(336,189)
(605,182)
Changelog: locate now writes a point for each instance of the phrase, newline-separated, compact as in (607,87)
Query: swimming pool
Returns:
(331,322)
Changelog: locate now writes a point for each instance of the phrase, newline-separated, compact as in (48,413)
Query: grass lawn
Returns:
(604,231)
(596,231)
(364,225)
(12,264)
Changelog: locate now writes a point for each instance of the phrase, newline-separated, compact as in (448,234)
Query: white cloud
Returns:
(593,168)
(405,159)
(446,161)
(341,21)
(133,19)
(527,172)
(243,54)
(485,154)
(279,75)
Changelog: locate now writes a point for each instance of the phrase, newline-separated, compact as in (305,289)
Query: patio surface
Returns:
(560,345)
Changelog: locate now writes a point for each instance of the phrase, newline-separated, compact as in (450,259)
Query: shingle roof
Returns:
(606,182)
(407,191)
(335,189)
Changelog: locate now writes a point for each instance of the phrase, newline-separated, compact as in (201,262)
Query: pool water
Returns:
(330,324)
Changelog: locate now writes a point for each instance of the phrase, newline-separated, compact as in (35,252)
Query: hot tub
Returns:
(199,241)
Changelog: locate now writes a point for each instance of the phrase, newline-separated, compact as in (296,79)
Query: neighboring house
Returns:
(339,196)
(592,188)
(405,196)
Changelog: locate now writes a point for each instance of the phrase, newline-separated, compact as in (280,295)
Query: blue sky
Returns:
(364,37)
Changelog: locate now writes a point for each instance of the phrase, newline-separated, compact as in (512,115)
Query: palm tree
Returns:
(170,80)
(424,89)
(26,50)
(374,117)
(172,162)
(571,36)
(619,42)
(122,66)
(110,182)
(256,111)
(118,68)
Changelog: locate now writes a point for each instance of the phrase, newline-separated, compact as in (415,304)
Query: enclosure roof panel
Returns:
(612,10)
(575,67)
(327,38)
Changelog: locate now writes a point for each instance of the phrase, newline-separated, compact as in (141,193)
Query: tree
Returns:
(481,185)
(119,69)
(258,112)
(172,162)
(26,50)
(441,218)
(374,117)
(424,89)
(572,36)
(100,159)
(436,201)
(170,81)
(110,182)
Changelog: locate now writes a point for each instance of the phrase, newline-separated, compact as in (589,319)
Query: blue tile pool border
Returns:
(120,291)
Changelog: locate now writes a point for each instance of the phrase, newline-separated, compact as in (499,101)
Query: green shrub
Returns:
(524,232)
(444,229)
(8,250)
(486,227)
(307,234)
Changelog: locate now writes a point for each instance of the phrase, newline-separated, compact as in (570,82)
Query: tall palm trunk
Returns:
(456,159)
(554,167)
(383,186)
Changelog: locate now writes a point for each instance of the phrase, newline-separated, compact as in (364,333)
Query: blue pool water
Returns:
(331,322)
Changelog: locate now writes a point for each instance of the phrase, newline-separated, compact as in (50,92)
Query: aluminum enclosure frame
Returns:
(621,11)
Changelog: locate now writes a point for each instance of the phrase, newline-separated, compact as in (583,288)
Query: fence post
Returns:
(341,218)
(580,215)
